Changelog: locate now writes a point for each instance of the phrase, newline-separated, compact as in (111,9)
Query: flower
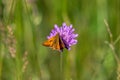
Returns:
(66,34)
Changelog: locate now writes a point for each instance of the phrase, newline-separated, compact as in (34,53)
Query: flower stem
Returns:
(61,64)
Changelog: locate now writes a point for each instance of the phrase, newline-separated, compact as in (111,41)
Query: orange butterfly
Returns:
(55,43)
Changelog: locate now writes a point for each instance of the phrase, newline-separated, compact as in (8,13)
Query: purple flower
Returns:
(66,34)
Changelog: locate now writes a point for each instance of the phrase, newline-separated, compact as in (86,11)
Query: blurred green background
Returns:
(24,25)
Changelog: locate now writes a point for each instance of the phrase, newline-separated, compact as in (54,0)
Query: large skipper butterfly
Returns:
(55,43)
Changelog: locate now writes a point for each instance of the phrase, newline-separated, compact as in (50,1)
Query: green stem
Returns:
(1,59)
(61,65)
(11,8)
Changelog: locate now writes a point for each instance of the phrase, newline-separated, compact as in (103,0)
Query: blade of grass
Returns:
(19,37)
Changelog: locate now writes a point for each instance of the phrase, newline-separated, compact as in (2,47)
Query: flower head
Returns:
(66,33)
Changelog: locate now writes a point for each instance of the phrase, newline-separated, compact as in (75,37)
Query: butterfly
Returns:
(55,42)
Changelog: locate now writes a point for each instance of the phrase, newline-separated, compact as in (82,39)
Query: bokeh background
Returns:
(24,25)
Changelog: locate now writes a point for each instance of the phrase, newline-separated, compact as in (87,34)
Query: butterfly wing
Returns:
(62,45)
(55,43)
(49,42)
